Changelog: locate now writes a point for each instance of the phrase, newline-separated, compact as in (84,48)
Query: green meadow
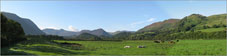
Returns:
(183,47)
(213,29)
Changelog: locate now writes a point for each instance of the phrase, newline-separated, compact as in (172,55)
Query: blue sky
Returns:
(109,15)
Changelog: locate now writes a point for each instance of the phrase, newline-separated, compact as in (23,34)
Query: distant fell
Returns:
(60,32)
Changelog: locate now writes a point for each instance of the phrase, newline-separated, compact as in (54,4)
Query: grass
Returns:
(212,29)
(40,46)
(117,48)
(184,47)
(199,47)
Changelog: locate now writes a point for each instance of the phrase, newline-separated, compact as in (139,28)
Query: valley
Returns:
(194,34)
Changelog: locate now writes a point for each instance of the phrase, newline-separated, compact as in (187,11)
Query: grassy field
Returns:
(212,29)
(184,47)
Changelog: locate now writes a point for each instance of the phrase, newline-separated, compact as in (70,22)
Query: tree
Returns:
(11,32)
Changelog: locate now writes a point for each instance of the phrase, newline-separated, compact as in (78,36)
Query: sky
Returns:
(108,15)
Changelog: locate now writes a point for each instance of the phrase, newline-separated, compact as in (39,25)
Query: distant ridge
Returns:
(97,32)
(62,32)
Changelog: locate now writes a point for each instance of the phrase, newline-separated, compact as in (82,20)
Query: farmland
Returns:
(183,47)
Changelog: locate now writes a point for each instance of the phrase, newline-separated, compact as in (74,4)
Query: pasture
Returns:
(183,47)
(213,29)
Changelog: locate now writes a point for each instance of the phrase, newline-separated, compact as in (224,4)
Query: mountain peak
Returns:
(97,32)
(59,32)
(196,16)
(85,31)
(100,29)
(62,30)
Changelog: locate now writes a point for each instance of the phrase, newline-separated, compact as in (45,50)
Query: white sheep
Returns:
(141,46)
(127,47)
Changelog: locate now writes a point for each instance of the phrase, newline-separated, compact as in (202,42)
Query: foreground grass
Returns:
(117,48)
(199,47)
(184,47)
(40,46)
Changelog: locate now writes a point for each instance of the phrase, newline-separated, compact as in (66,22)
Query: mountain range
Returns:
(118,32)
(30,28)
(62,32)
(97,32)
(166,28)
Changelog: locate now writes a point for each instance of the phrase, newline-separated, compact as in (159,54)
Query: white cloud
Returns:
(71,28)
(52,28)
(142,22)
(150,20)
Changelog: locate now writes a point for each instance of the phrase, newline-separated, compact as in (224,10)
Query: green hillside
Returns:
(170,23)
(216,20)
(190,22)
(196,26)
(213,29)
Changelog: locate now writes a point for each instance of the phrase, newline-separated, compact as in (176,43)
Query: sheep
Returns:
(157,41)
(127,47)
(141,46)
(171,42)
